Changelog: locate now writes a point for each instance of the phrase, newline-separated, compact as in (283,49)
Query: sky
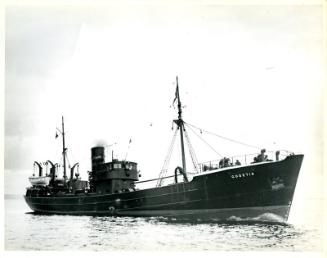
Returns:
(251,73)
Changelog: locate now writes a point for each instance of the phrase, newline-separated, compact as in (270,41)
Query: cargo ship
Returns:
(218,190)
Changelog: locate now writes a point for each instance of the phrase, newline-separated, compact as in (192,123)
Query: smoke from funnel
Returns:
(100,143)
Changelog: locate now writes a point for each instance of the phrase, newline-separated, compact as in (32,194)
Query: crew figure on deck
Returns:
(224,162)
(261,157)
(237,163)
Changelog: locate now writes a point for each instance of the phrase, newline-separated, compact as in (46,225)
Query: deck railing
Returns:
(241,160)
(246,159)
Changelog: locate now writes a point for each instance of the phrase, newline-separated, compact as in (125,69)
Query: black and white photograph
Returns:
(164,126)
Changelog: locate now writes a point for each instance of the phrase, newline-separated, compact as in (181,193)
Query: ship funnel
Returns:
(97,156)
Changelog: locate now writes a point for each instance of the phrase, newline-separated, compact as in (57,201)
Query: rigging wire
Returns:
(192,152)
(59,166)
(71,154)
(225,138)
(129,143)
(164,169)
(69,167)
(203,140)
(68,163)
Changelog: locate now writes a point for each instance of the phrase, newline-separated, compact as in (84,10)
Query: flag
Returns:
(176,92)
(176,95)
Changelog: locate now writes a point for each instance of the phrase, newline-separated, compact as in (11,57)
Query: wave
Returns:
(269,217)
(265,218)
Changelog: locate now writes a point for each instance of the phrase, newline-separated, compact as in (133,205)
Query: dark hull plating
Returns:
(244,191)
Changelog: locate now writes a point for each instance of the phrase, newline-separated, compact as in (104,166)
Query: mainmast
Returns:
(180,124)
(64,148)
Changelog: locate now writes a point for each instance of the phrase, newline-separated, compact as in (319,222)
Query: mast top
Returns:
(179,104)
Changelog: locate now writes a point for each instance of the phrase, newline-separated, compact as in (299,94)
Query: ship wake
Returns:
(265,218)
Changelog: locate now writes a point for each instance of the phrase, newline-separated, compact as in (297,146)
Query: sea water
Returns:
(27,231)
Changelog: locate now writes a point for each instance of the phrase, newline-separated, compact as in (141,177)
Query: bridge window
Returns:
(116,166)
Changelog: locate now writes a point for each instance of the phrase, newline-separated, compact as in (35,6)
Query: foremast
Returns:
(181,127)
(180,123)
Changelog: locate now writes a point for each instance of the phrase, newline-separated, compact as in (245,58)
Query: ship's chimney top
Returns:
(97,156)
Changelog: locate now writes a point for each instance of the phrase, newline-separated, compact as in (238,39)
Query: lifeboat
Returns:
(39,180)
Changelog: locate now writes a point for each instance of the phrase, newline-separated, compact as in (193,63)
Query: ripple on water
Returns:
(39,232)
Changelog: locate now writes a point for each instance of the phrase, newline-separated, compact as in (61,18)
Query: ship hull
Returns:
(237,192)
